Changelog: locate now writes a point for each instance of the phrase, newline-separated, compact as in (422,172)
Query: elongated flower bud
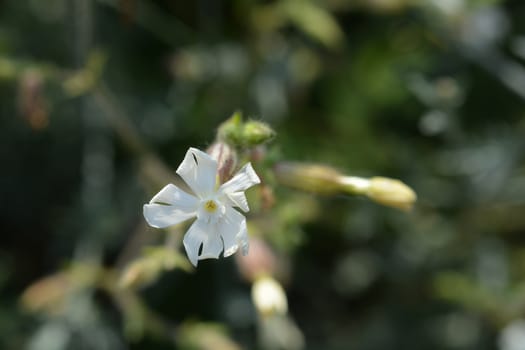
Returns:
(226,158)
(391,192)
(322,179)
(269,297)
(308,177)
(383,190)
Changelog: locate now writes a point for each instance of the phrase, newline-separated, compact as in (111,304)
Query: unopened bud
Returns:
(256,133)
(391,192)
(322,179)
(226,158)
(269,297)
(308,177)
(244,134)
(230,130)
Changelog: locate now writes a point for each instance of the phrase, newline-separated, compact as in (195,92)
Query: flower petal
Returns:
(212,246)
(237,199)
(199,171)
(160,216)
(244,242)
(202,233)
(181,206)
(244,179)
(193,240)
(232,229)
(173,195)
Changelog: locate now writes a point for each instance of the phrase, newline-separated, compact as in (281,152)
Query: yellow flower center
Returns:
(210,206)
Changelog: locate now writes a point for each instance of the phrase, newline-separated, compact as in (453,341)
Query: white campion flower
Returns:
(219,227)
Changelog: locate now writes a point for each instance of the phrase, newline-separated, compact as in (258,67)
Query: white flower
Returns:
(218,226)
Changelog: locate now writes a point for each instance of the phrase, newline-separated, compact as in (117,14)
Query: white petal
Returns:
(232,227)
(244,242)
(238,199)
(160,216)
(212,246)
(202,233)
(181,206)
(193,240)
(199,171)
(173,195)
(244,179)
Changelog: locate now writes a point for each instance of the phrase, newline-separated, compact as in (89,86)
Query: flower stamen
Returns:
(210,206)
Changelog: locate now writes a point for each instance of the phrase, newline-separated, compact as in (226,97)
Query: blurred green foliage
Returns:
(101,98)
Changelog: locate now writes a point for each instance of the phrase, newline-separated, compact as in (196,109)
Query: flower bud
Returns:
(308,177)
(226,158)
(256,133)
(269,297)
(391,192)
(244,134)
(322,179)
(230,130)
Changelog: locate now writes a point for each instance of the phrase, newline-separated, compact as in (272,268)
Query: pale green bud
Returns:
(322,179)
(391,192)
(231,129)
(256,133)
(314,178)
(269,297)
(244,134)
(382,190)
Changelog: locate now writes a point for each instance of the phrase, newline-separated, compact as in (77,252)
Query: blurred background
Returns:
(102,98)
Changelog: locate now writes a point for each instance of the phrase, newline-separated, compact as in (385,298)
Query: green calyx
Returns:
(238,133)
